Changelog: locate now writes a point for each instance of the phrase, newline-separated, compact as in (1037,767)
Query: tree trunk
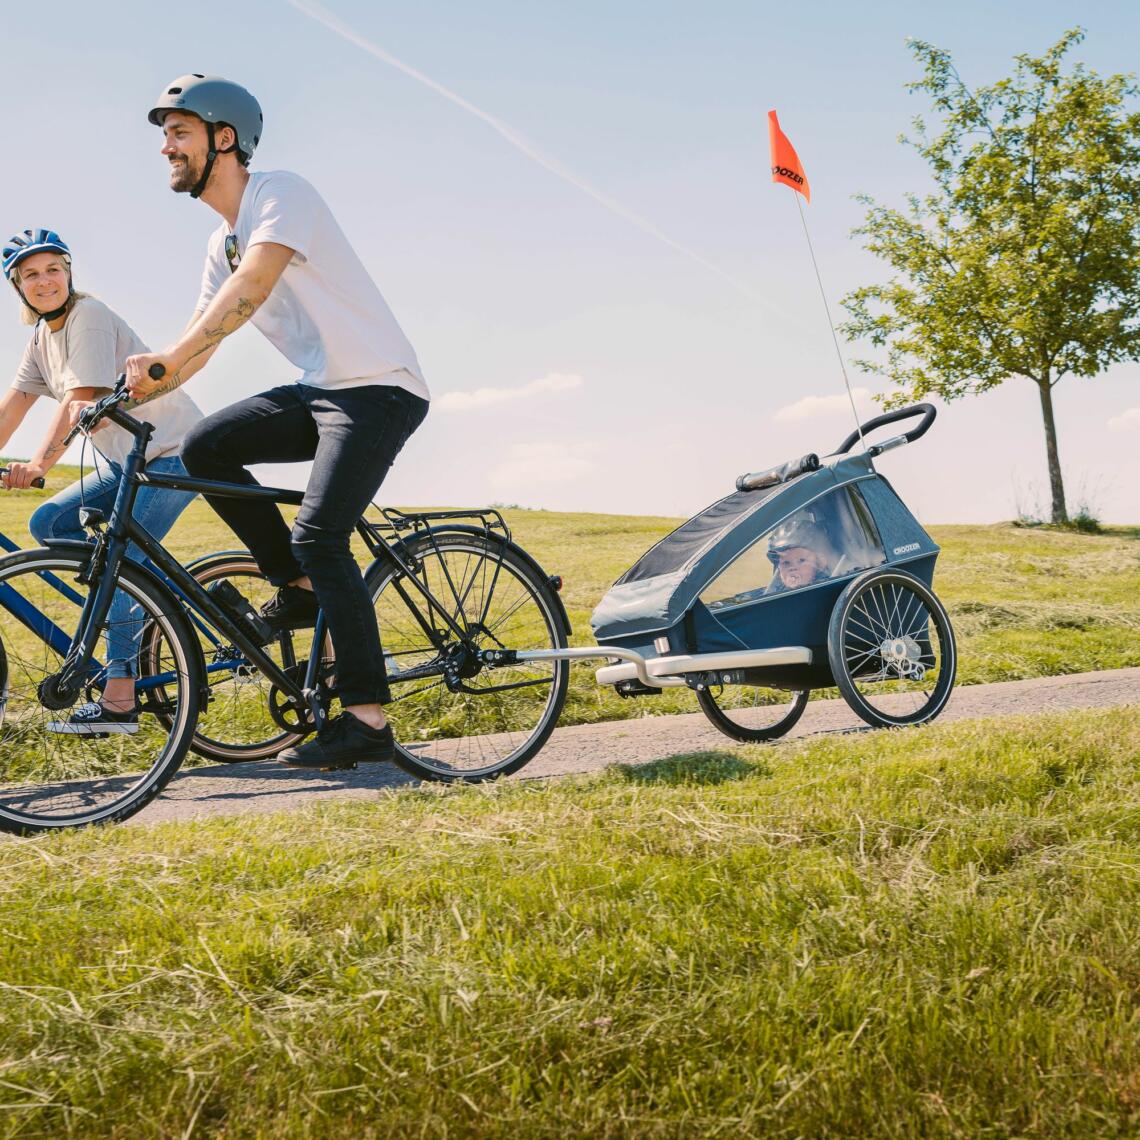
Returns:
(1056,487)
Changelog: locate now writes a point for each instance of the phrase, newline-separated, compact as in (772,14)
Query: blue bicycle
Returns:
(236,723)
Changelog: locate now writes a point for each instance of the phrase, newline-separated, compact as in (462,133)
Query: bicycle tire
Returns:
(891,649)
(744,713)
(500,718)
(236,725)
(3,683)
(49,780)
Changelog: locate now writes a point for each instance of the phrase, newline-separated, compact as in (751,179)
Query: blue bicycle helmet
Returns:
(24,244)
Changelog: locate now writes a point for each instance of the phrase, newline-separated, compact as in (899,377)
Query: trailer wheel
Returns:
(750,713)
(891,649)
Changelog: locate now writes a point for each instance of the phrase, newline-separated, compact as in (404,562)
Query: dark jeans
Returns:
(352,436)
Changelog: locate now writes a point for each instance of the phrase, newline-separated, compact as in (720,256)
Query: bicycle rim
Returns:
(500,717)
(50,779)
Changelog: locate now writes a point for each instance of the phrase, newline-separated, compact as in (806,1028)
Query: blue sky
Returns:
(624,332)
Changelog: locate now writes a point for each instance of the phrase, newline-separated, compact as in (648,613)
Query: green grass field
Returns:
(921,933)
(926,933)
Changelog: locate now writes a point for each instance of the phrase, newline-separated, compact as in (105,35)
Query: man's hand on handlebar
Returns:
(144,378)
(21,476)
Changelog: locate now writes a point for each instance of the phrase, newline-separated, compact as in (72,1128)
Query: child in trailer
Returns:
(78,349)
(800,553)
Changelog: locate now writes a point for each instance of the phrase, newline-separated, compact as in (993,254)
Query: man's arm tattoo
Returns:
(168,385)
(229,322)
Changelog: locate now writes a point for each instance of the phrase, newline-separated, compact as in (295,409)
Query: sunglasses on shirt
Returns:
(233,254)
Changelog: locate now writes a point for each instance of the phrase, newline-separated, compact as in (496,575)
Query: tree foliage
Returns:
(1025,258)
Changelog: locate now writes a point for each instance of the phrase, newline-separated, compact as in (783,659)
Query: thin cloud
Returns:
(323,16)
(486,397)
(1128,420)
(545,463)
(818,407)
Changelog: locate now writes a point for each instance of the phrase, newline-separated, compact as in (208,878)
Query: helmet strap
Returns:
(211,154)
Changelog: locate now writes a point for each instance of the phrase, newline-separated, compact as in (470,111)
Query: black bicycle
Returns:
(454,596)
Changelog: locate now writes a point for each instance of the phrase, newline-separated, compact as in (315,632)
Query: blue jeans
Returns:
(156,509)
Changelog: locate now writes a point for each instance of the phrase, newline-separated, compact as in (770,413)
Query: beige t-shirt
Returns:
(90,351)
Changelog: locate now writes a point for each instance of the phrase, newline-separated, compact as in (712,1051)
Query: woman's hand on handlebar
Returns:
(144,376)
(76,408)
(21,476)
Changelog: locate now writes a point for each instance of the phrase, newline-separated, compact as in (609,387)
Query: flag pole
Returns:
(830,323)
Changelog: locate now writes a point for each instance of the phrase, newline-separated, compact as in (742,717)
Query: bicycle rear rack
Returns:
(397,523)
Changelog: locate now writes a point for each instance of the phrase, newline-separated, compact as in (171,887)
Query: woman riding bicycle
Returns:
(77,350)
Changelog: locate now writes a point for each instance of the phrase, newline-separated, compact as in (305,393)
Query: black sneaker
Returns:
(342,743)
(94,720)
(292,607)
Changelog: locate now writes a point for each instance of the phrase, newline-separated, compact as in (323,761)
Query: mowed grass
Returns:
(1023,602)
(921,933)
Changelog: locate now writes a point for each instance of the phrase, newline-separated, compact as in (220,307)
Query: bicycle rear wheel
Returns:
(237,724)
(481,722)
(49,779)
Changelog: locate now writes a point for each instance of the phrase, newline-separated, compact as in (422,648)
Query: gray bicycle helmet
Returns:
(216,101)
(800,531)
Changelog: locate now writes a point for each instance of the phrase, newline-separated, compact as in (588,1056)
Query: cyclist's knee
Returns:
(198,451)
(42,523)
(311,545)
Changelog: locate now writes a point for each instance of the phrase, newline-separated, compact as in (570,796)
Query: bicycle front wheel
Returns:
(52,778)
(455,719)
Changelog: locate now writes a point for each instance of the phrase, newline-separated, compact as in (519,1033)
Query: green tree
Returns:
(1025,259)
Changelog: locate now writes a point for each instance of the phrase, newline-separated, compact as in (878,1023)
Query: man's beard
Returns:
(184,178)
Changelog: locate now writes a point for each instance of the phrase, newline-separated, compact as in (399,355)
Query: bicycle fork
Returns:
(61,690)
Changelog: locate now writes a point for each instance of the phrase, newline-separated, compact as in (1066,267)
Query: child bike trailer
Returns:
(809,575)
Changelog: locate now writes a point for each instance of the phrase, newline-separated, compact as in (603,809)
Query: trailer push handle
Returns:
(927,411)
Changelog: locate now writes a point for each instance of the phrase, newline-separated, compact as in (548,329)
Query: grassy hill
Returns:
(920,933)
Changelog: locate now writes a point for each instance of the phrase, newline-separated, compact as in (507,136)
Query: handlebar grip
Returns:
(156,371)
(39,484)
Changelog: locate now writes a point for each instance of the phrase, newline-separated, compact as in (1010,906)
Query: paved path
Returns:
(229,789)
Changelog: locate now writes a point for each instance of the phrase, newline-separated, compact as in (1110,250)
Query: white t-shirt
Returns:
(90,351)
(325,313)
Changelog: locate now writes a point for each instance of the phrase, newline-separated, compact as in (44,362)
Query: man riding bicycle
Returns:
(281,261)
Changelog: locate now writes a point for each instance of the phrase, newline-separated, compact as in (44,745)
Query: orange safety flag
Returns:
(786,165)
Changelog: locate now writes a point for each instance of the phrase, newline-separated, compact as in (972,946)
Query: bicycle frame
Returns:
(110,547)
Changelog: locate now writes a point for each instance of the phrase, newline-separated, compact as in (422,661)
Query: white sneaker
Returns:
(94,720)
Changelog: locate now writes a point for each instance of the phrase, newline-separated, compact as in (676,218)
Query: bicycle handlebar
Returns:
(927,411)
(105,407)
(37,483)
